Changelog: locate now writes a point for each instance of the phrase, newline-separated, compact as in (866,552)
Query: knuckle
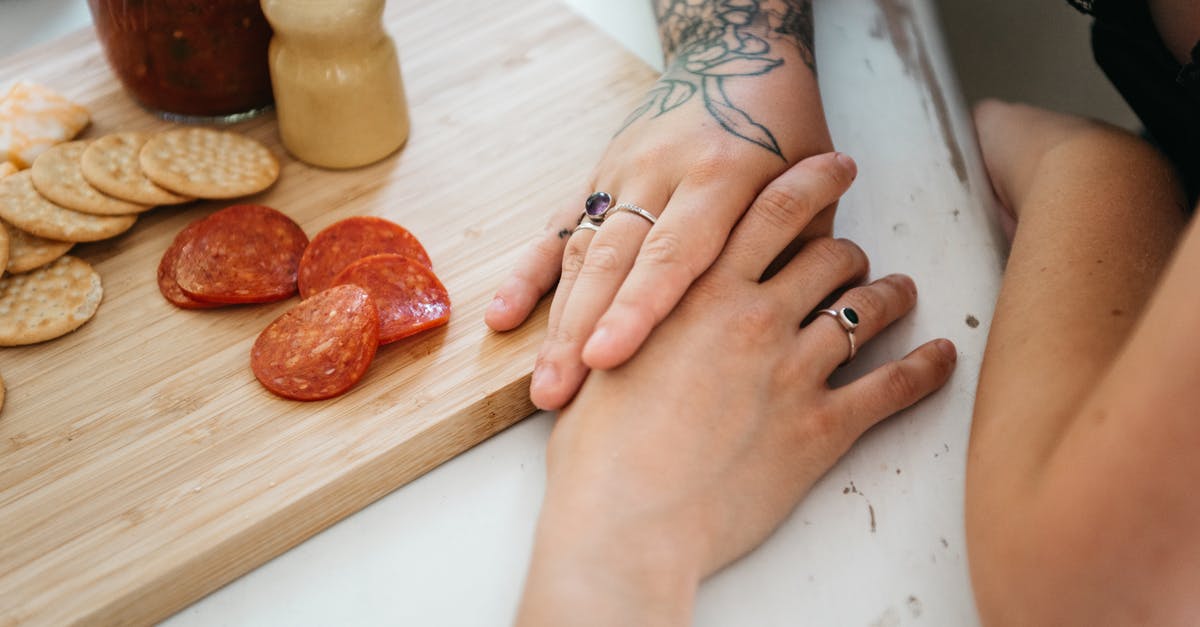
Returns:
(547,250)
(833,253)
(758,320)
(710,167)
(573,258)
(649,158)
(663,248)
(561,334)
(870,303)
(602,259)
(858,256)
(901,381)
(782,209)
(787,374)
(821,426)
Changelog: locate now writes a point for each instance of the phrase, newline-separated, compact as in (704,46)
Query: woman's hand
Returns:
(669,467)
(738,103)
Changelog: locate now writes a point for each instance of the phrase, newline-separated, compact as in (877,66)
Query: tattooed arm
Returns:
(707,44)
(737,105)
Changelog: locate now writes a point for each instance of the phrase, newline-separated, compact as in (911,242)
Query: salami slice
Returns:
(166,273)
(409,296)
(321,347)
(241,254)
(342,243)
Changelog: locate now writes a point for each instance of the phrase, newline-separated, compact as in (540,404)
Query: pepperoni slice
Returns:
(409,296)
(319,348)
(241,254)
(342,243)
(166,273)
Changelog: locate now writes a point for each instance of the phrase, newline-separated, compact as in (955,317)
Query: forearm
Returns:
(1084,262)
(1106,536)
(1118,496)
(1056,510)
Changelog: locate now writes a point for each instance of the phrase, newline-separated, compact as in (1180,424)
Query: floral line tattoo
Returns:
(708,42)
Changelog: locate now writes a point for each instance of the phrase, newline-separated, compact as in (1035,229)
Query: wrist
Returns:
(592,567)
(697,55)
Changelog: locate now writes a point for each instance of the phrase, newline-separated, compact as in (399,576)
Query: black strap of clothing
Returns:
(1162,92)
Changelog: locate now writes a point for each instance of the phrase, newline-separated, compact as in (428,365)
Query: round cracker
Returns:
(27,251)
(111,165)
(58,175)
(5,248)
(48,302)
(207,163)
(25,208)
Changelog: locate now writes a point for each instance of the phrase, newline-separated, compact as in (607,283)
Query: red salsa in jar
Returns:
(188,58)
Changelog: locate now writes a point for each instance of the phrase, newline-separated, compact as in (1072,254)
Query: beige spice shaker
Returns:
(336,76)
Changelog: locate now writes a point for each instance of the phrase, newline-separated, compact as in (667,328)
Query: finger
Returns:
(534,275)
(609,257)
(825,341)
(894,386)
(822,267)
(783,209)
(546,374)
(684,243)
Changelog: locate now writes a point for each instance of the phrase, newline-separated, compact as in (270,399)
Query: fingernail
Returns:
(848,163)
(600,337)
(544,376)
(498,305)
(948,350)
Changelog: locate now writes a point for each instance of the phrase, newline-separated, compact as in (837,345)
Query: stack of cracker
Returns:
(55,194)
(86,191)
(32,119)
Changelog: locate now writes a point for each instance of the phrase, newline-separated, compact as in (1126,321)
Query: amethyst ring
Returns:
(600,206)
(596,207)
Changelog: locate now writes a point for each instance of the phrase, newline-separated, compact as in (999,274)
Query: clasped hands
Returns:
(676,462)
(599,272)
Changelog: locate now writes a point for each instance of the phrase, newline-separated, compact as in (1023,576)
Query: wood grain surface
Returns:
(143,466)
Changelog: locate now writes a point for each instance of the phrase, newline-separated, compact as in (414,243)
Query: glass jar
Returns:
(189,60)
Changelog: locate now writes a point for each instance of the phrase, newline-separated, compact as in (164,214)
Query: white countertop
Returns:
(451,547)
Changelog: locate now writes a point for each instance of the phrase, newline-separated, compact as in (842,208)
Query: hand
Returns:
(725,120)
(676,463)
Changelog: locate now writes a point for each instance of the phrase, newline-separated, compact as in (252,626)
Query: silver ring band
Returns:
(637,211)
(586,226)
(848,319)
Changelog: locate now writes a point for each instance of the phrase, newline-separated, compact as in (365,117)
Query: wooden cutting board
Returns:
(143,466)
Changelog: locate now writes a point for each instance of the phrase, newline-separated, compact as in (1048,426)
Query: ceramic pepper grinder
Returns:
(336,76)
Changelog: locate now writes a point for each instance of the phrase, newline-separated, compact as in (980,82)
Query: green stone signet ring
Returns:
(848,318)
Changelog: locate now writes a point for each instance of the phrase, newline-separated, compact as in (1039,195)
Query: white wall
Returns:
(1035,51)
